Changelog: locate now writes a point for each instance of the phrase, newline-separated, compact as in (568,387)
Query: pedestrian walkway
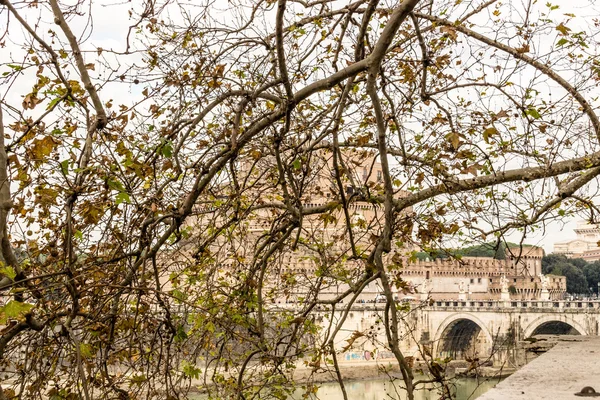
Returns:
(570,366)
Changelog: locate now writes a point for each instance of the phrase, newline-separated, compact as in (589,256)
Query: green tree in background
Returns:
(576,280)
(592,274)
(581,275)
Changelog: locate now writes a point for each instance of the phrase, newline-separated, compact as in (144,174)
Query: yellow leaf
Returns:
(563,29)
(42,148)
(491,131)
(454,139)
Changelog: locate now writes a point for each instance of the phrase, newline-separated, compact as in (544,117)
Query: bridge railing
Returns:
(585,304)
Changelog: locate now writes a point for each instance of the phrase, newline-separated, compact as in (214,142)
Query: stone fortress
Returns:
(518,277)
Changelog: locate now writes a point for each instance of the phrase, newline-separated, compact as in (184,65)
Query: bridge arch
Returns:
(560,319)
(460,333)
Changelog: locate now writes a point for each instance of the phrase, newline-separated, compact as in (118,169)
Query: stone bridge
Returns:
(455,328)
(474,328)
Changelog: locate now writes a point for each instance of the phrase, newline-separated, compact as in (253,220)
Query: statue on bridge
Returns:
(461,287)
(461,291)
(544,281)
(504,294)
(504,284)
(424,290)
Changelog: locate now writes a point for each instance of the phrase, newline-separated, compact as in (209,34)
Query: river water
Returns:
(464,389)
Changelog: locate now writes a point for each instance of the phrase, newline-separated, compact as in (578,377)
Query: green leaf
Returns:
(167,149)
(179,295)
(297,164)
(115,185)
(64,167)
(181,334)
(85,350)
(533,113)
(16,67)
(8,271)
(562,42)
(53,102)
(190,370)
(138,379)
(13,309)
(123,197)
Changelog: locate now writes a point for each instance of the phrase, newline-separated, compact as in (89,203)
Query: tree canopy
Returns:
(162,162)
(582,277)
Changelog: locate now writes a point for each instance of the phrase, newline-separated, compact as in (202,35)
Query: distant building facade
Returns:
(585,245)
(483,277)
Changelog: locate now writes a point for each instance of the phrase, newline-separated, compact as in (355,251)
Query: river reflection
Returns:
(464,389)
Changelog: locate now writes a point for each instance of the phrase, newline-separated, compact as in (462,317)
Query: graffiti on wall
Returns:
(368,355)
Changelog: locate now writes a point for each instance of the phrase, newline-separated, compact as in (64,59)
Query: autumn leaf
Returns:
(91,213)
(42,148)
(30,101)
(350,341)
(454,139)
(364,139)
(563,29)
(219,69)
(523,49)
(502,114)
(450,31)
(420,177)
(491,131)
